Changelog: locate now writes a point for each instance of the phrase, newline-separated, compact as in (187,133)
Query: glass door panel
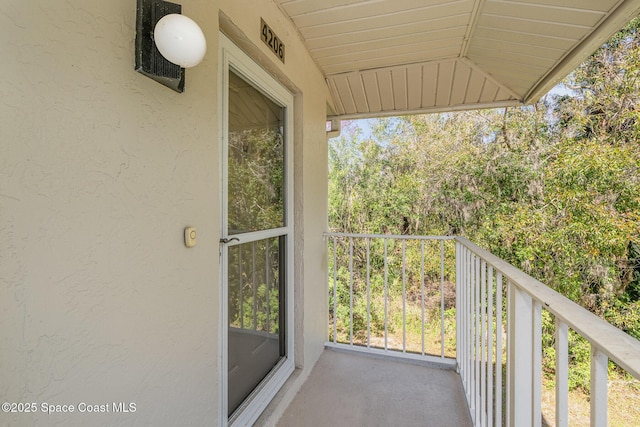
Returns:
(256,159)
(256,327)
(255,210)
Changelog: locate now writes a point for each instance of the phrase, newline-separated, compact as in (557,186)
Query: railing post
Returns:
(498,387)
(599,380)
(520,363)
(483,343)
(562,373)
(536,366)
(476,333)
(335,293)
(351,291)
(442,328)
(368,292)
(422,295)
(458,305)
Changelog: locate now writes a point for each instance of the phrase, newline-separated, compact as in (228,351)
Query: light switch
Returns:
(190,237)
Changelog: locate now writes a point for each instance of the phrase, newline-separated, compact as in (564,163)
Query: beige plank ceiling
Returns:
(390,57)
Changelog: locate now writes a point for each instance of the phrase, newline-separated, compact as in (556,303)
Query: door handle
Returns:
(225,240)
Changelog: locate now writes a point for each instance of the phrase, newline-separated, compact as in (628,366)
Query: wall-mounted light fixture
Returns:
(166,42)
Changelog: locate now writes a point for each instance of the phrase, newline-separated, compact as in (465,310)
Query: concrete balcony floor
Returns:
(353,389)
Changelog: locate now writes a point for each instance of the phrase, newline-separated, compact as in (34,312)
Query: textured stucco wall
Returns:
(100,170)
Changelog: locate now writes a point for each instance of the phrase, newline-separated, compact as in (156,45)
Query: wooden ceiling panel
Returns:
(601,5)
(535,53)
(398,20)
(399,82)
(370,82)
(429,40)
(394,11)
(530,39)
(357,92)
(423,48)
(385,88)
(460,83)
(346,97)
(474,90)
(414,87)
(499,56)
(300,7)
(444,28)
(528,26)
(384,57)
(429,84)
(544,13)
(394,58)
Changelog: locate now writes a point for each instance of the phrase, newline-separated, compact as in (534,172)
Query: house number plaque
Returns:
(270,39)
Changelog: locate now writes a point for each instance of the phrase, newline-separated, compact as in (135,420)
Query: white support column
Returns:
(599,379)
(521,357)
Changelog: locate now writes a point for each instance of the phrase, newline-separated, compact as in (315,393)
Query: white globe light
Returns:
(180,40)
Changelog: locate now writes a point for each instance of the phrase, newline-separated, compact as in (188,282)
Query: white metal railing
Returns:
(498,322)
(387,309)
(483,282)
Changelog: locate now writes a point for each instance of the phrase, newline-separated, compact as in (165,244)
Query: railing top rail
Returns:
(619,346)
(388,236)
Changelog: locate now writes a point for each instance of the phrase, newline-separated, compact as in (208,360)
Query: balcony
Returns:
(483,366)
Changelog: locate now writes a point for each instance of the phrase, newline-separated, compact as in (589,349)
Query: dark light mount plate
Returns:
(149,61)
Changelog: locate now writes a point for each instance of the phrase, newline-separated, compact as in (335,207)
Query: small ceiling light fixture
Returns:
(167,42)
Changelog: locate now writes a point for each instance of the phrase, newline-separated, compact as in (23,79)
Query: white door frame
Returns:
(231,57)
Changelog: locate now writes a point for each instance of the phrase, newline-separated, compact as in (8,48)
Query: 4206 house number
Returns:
(271,40)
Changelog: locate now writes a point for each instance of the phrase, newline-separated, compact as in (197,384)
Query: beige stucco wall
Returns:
(101,169)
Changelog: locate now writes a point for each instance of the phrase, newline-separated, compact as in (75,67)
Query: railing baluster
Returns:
(459,346)
(386,295)
(335,293)
(490,355)
(562,373)
(483,343)
(464,328)
(422,289)
(368,292)
(536,366)
(404,297)
(267,274)
(351,291)
(477,333)
(241,283)
(509,403)
(254,279)
(441,298)
(468,325)
(599,379)
(498,398)
(469,328)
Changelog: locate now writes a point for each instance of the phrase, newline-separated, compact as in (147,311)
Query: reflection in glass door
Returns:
(256,236)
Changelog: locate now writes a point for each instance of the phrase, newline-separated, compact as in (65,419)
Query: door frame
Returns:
(232,57)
